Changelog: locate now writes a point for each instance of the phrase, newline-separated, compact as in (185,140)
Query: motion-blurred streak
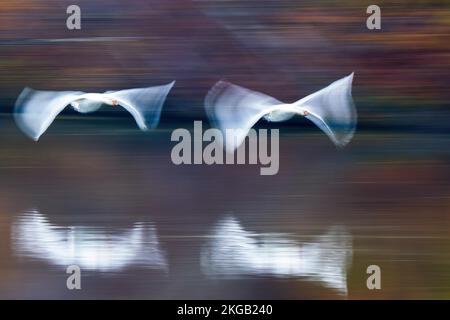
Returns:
(234,252)
(239,109)
(35,110)
(89,248)
(73,40)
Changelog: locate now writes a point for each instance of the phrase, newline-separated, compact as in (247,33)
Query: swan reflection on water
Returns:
(233,252)
(90,248)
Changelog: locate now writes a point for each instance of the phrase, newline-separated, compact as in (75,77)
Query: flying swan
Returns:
(236,109)
(36,110)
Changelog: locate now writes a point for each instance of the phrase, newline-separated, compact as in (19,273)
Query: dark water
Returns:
(106,197)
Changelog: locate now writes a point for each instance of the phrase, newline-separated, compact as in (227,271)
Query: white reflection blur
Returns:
(88,247)
(233,251)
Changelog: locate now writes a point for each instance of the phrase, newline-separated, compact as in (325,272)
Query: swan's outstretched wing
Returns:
(332,110)
(35,110)
(229,106)
(144,104)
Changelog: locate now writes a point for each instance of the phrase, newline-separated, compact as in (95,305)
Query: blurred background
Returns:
(97,192)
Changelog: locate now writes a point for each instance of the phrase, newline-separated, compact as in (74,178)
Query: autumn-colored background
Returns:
(284,48)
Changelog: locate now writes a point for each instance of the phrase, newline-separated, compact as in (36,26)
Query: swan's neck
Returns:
(291,108)
(283,112)
(98,97)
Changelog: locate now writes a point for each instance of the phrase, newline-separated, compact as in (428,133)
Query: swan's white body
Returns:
(91,102)
(236,108)
(35,110)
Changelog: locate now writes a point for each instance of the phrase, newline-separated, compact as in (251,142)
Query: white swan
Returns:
(237,109)
(35,110)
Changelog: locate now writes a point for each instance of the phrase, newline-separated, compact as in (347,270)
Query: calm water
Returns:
(102,195)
